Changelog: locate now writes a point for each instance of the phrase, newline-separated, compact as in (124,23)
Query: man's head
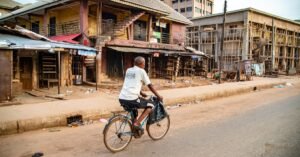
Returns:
(140,62)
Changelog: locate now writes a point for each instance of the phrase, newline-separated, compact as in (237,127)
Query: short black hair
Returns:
(139,60)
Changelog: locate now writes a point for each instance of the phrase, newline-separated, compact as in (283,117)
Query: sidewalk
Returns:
(20,118)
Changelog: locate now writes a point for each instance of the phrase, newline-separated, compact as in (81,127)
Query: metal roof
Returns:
(17,42)
(174,15)
(150,51)
(32,8)
(148,5)
(9,4)
(158,6)
(66,38)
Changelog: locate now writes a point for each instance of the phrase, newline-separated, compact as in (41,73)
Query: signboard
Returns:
(156,54)
(157,35)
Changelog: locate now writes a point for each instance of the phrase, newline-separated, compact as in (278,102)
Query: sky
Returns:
(286,8)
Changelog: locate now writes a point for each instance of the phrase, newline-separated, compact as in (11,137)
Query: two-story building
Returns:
(119,29)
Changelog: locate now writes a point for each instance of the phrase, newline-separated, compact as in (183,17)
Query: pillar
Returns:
(84,22)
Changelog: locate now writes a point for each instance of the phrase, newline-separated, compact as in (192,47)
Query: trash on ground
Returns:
(289,84)
(279,86)
(90,90)
(173,107)
(102,120)
(38,154)
(88,122)
(69,92)
(74,121)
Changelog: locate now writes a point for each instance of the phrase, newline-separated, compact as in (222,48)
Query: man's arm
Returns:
(150,86)
(143,94)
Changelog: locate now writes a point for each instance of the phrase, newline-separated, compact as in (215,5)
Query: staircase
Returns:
(119,27)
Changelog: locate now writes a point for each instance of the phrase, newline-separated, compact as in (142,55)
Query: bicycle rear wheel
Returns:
(158,130)
(117,134)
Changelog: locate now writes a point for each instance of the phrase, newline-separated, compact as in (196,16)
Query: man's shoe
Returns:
(138,131)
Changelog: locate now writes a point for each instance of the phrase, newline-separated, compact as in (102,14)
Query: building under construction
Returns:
(270,42)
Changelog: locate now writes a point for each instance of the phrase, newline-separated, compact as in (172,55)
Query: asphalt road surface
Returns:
(258,124)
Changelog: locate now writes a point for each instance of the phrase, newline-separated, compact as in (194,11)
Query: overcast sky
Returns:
(285,8)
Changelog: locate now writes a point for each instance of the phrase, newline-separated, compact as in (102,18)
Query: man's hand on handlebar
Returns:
(160,98)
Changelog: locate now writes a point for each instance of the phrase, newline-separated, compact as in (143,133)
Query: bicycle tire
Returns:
(114,120)
(151,135)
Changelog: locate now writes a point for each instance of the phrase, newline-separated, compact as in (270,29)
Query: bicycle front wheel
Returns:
(117,134)
(158,130)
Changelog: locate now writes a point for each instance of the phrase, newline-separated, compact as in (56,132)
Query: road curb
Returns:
(19,126)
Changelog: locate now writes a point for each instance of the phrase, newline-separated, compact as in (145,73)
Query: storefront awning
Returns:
(147,51)
(66,38)
(9,41)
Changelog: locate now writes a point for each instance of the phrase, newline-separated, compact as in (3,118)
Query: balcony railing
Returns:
(71,27)
(165,38)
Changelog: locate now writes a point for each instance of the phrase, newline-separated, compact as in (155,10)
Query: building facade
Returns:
(250,34)
(119,29)
(193,8)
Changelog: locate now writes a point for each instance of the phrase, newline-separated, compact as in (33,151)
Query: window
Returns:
(233,29)
(52,26)
(175,1)
(182,10)
(140,30)
(182,0)
(35,27)
(198,10)
(176,10)
(189,9)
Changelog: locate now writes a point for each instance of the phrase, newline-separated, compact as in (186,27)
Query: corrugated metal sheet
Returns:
(17,42)
(148,5)
(32,8)
(147,51)
(66,38)
(158,6)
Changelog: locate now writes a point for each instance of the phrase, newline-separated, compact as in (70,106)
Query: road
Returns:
(258,124)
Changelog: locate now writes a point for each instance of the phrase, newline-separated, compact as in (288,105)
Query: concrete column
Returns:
(84,21)
(35,71)
(273,44)
(216,44)
(45,22)
(246,37)
(150,30)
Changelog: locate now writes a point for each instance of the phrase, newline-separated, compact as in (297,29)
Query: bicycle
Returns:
(124,130)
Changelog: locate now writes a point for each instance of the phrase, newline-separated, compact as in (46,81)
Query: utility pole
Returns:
(222,43)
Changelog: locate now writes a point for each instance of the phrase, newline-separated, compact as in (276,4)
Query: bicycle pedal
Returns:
(138,133)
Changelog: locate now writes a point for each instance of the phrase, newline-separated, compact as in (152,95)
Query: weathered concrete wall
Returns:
(177,33)
(5,74)
(265,19)
(230,18)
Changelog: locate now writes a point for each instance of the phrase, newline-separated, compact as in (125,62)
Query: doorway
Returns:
(26,72)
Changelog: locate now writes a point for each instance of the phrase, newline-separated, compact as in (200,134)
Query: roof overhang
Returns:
(32,8)
(150,51)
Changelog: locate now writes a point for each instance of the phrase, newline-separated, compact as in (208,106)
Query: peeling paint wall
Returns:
(6,74)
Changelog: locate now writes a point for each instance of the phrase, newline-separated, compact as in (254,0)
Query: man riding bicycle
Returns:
(131,91)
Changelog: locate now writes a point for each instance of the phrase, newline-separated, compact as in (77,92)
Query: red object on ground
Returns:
(66,38)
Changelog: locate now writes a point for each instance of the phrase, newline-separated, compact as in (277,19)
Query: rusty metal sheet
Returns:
(5,74)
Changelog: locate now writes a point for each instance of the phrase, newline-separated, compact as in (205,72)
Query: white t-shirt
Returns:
(134,79)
